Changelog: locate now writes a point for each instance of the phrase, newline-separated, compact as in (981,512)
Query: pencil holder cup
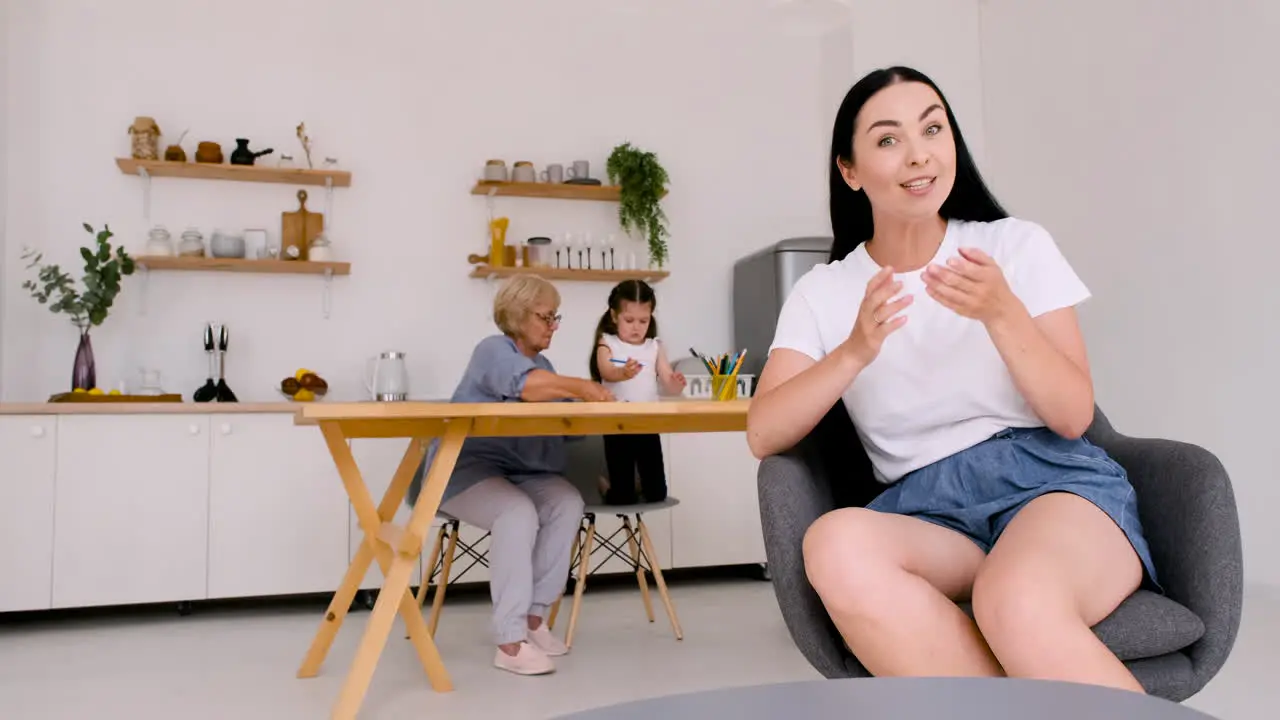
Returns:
(724,387)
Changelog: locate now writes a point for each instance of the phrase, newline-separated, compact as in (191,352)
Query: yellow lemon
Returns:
(304,395)
(301,371)
(96,391)
(114,392)
(79,390)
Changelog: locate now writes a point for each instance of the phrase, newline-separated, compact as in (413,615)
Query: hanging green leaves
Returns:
(643,182)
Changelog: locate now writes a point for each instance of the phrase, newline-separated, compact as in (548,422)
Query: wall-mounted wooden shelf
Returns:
(241,265)
(559,191)
(653,276)
(241,173)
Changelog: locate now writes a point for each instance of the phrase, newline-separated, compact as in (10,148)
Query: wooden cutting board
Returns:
(298,228)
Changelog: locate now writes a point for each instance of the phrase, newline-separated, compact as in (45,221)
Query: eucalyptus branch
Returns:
(56,288)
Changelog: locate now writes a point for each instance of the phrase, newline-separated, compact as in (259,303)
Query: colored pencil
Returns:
(704,360)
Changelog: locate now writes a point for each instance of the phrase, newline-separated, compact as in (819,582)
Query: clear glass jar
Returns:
(320,250)
(159,242)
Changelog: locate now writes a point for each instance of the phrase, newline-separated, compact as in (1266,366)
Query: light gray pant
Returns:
(531,526)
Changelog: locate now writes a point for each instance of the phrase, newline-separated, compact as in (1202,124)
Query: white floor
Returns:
(240,663)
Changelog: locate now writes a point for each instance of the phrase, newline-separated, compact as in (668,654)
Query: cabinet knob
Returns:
(194,429)
(37,431)
(226,428)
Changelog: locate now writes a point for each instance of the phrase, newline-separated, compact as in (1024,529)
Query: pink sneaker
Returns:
(528,661)
(546,642)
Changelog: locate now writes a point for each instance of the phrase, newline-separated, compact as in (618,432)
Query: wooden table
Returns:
(397,547)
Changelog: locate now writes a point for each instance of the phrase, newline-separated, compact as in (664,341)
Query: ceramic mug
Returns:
(523,172)
(578,170)
(553,174)
(495,171)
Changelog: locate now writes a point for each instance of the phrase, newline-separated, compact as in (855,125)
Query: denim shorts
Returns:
(977,491)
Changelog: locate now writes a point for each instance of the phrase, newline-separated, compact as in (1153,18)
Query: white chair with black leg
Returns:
(586,467)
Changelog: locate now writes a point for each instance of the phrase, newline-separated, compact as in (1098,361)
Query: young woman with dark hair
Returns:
(949,331)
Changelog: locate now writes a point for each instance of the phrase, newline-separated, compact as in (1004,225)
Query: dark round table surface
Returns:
(903,699)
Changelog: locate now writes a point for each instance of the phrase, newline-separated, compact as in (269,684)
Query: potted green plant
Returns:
(643,182)
(87,307)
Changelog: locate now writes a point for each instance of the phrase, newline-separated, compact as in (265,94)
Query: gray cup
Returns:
(579,170)
(553,174)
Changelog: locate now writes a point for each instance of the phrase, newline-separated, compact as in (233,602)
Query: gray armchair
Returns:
(1174,644)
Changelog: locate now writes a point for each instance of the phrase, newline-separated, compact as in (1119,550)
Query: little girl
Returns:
(629,360)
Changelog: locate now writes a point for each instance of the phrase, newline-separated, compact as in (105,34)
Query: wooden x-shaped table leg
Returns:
(396,549)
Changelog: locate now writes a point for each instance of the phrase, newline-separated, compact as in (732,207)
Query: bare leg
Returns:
(1059,568)
(888,582)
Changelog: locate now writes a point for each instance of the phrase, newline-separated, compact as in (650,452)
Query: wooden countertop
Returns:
(134,408)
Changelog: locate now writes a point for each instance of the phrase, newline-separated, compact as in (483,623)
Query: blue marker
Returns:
(621,362)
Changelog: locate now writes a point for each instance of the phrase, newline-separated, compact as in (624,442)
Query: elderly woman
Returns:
(514,486)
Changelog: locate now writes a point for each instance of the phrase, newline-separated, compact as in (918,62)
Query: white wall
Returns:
(936,37)
(1142,134)
(5,26)
(412,97)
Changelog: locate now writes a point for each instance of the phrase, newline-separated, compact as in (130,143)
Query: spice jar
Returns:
(320,250)
(539,252)
(192,244)
(145,136)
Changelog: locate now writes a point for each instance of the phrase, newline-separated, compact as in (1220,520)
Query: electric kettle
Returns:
(386,377)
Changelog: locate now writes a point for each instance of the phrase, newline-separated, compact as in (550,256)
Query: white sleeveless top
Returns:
(644,386)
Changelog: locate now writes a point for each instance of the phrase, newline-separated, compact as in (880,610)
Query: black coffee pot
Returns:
(242,155)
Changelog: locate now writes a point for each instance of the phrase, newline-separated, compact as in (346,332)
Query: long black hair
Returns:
(637,291)
(851,220)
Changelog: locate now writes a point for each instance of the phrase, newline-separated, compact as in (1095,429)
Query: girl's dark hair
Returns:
(637,291)
(851,220)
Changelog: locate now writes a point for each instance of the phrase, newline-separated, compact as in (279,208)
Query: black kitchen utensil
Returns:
(208,391)
(224,393)
(242,155)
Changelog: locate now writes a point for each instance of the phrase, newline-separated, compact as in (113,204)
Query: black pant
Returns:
(625,455)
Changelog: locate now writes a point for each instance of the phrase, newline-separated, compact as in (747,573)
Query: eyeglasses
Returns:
(550,319)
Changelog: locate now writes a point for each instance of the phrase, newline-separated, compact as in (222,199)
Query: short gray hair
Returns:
(516,298)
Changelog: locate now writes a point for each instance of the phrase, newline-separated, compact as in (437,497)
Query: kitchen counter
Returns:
(132,408)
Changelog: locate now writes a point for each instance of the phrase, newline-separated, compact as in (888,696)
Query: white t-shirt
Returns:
(644,386)
(938,385)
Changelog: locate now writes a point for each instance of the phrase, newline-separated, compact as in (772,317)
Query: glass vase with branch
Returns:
(86,303)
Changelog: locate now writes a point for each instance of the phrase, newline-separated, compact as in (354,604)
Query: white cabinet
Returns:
(131,517)
(136,508)
(27,448)
(378,460)
(718,519)
(277,509)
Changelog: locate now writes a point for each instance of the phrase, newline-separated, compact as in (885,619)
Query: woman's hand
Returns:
(877,317)
(971,285)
